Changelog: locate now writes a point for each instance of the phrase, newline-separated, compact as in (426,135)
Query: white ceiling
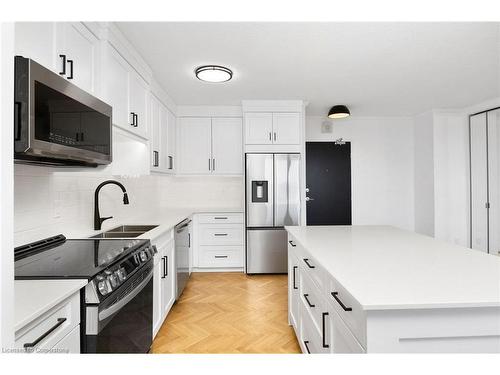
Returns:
(375,68)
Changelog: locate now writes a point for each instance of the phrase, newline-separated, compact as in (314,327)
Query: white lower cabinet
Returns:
(325,317)
(218,241)
(163,279)
(57,330)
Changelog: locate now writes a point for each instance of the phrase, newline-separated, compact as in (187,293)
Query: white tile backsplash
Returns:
(50,201)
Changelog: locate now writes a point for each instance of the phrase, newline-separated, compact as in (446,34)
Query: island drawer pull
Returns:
(291,243)
(306,261)
(220,217)
(325,345)
(220,234)
(220,256)
(307,347)
(307,300)
(294,268)
(34,343)
(335,294)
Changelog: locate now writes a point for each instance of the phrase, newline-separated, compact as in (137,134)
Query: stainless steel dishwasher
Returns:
(182,243)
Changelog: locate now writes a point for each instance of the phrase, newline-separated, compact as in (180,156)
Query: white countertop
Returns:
(388,268)
(32,298)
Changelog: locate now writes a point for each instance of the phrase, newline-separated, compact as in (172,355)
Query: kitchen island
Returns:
(383,289)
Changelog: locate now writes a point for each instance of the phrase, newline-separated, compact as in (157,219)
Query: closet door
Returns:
(479,182)
(494,180)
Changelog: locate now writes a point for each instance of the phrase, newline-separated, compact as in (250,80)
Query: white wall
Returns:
(381,163)
(424,174)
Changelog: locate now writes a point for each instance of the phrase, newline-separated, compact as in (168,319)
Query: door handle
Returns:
(323,329)
(70,62)
(306,261)
(63,71)
(307,300)
(309,199)
(60,321)
(335,295)
(294,268)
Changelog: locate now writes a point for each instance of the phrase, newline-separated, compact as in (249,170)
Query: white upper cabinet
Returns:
(227,146)
(258,128)
(35,40)
(163,157)
(78,47)
(281,128)
(211,145)
(195,145)
(115,87)
(67,48)
(171,161)
(125,90)
(154,132)
(162,137)
(286,128)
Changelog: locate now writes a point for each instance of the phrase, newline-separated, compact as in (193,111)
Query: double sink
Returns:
(125,231)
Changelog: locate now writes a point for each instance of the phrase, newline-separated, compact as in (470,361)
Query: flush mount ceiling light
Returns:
(213,73)
(339,111)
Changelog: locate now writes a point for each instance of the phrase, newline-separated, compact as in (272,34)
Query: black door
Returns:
(328,180)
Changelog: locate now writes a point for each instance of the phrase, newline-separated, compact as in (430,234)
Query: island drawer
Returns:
(311,341)
(342,339)
(348,309)
(229,234)
(47,330)
(312,300)
(307,262)
(221,218)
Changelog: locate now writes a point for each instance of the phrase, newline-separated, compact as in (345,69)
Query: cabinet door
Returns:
(170,152)
(155,133)
(115,87)
(293,290)
(157,293)
(168,281)
(36,40)
(138,101)
(163,138)
(258,128)
(341,339)
(195,147)
(79,46)
(479,182)
(494,181)
(227,146)
(286,128)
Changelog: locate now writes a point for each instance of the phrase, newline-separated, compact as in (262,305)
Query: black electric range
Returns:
(117,303)
(61,258)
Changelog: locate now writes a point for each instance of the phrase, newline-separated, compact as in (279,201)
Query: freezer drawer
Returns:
(266,251)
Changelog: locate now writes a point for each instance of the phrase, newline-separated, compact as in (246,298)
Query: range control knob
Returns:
(144,255)
(121,273)
(103,285)
(113,280)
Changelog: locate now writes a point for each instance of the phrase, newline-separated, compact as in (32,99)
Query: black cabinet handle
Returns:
(133,119)
(220,217)
(77,137)
(170,162)
(34,343)
(220,256)
(81,136)
(213,164)
(136,120)
(189,239)
(325,345)
(163,266)
(307,300)
(307,347)
(70,62)
(209,164)
(291,243)
(274,136)
(270,136)
(294,268)
(335,295)
(63,71)
(156,161)
(306,261)
(220,234)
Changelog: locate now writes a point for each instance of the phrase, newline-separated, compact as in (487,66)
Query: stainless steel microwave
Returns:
(56,122)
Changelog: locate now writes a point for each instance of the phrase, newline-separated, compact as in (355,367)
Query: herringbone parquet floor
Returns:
(229,313)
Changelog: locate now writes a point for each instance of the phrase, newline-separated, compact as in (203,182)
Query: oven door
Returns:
(55,121)
(124,324)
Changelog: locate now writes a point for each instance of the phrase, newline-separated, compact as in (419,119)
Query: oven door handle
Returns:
(106,313)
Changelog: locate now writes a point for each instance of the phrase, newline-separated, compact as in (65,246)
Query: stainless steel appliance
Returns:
(272,201)
(182,239)
(117,303)
(56,122)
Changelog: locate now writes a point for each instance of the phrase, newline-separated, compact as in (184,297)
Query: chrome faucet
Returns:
(98,220)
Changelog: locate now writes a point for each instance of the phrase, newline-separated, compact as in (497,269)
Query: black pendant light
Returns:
(339,111)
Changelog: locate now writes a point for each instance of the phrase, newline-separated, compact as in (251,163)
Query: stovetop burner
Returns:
(59,258)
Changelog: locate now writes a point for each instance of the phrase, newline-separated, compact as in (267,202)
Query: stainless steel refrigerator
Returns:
(272,201)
